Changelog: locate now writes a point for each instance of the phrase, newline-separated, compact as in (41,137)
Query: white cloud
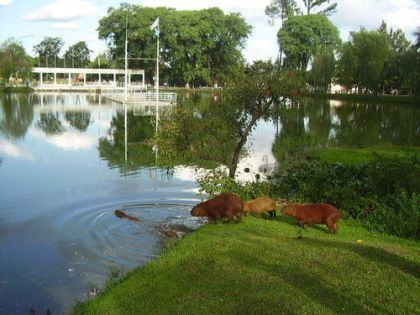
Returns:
(65,26)
(69,140)
(13,150)
(353,14)
(5,2)
(63,11)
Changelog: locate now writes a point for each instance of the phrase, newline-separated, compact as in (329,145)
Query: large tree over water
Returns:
(197,47)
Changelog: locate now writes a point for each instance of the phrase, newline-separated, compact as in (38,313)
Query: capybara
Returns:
(317,213)
(225,205)
(261,205)
(121,214)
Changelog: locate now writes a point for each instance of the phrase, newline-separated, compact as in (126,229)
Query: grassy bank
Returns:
(259,266)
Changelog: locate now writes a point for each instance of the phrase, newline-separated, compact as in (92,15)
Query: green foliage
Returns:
(281,9)
(323,68)
(14,62)
(311,4)
(197,47)
(302,37)
(382,194)
(217,181)
(78,55)
(221,131)
(48,50)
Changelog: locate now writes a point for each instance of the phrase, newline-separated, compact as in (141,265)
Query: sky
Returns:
(77,20)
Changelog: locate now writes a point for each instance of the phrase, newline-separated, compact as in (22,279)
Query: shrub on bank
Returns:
(383,194)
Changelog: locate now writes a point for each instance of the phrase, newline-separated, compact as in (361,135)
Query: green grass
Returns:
(259,266)
(363,155)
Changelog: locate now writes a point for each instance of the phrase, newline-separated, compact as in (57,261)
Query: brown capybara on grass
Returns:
(261,205)
(222,206)
(318,213)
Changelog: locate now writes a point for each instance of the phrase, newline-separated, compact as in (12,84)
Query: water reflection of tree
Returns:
(363,125)
(17,114)
(312,124)
(78,119)
(305,126)
(50,123)
(139,153)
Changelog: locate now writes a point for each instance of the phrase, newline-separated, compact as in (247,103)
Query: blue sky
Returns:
(77,20)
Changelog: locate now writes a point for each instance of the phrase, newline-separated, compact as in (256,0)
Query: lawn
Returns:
(260,266)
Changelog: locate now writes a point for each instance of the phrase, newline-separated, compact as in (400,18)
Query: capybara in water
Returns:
(121,214)
(318,213)
(261,205)
(225,205)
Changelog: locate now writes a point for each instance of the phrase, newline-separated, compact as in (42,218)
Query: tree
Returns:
(13,60)
(281,9)
(48,49)
(197,47)
(78,55)
(221,130)
(365,57)
(311,4)
(399,45)
(323,67)
(302,37)
(417,34)
(347,69)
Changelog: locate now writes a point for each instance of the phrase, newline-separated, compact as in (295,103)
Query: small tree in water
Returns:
(219,132)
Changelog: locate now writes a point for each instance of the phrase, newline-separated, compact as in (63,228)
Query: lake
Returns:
(68,161)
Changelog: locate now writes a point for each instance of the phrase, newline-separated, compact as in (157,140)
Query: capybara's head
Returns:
(119,213)
(288,210)
(198,211)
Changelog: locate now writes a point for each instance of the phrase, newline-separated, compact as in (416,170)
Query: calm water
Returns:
(67,162)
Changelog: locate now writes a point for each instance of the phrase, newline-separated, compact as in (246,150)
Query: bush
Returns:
(382,194)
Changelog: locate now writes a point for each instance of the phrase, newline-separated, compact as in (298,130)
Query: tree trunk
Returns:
(234,164)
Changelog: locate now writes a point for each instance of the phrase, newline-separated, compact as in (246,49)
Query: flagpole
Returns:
(157,79)
(126,61)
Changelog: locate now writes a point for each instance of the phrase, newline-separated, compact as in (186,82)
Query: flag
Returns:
(155,24)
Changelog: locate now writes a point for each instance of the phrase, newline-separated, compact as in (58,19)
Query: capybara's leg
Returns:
(332,225)
(239,216)
(229,215)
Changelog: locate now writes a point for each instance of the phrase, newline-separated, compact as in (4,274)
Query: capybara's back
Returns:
(224,205)
(261,205)
(317,213)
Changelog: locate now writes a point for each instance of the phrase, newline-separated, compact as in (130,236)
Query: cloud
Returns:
(13,150)
(353,14)
(70,140)
(63,11)
(5,2)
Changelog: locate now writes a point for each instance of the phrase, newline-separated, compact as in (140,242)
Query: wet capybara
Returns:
(261,205)
(121,214)
(317,213)
(222,206)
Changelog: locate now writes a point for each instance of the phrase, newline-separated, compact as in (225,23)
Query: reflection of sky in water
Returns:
(259,155)
(58,232)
